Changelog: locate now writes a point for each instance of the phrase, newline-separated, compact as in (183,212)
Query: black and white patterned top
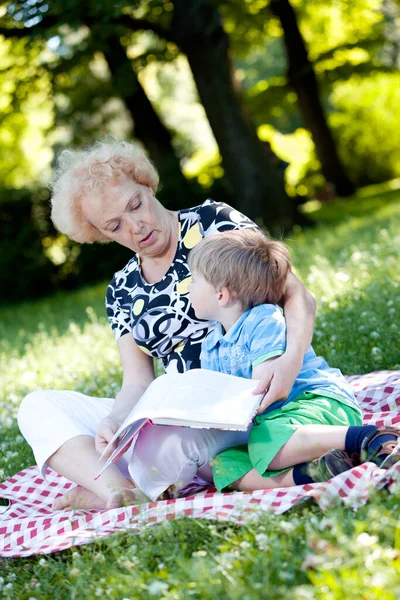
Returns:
(159,315)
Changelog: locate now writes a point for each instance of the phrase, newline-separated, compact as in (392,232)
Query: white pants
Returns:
(163,456)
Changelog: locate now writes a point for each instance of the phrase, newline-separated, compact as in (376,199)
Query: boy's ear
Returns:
(224,297)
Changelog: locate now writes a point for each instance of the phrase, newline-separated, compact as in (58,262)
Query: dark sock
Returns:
(300,475)
(355,436)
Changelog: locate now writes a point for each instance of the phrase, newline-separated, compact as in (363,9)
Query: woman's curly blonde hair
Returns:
(83,172)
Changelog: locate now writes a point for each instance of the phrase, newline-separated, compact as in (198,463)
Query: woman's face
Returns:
(129,214)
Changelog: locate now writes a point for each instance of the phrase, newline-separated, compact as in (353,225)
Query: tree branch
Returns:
(145,25)
(124,20)
(15,32)
(20,32)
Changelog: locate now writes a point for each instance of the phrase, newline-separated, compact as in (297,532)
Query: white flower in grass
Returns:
(99,557)
(356,256)
(366,540)
(98,592)
(262,541)
(374,335)
(303,593)
(157,588)
(376,351)
(42,562)
(199,553)
(325,523)
(340,276)
(286,526)
(379,580)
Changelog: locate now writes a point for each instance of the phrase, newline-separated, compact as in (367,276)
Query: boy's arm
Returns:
(277,376)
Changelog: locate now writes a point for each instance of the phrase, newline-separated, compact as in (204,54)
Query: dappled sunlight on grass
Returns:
(83,358)
(367,200)
(19,323)
(352,268)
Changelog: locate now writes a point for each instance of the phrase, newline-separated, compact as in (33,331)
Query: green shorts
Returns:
(272,430)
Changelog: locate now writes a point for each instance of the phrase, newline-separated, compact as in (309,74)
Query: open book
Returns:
(197,398)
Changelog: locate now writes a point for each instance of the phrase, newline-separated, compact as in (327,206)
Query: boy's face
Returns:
(203,298)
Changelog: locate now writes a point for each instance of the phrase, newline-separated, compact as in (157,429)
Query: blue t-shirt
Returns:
(260,334)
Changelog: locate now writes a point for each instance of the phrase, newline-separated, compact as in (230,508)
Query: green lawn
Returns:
(350,261)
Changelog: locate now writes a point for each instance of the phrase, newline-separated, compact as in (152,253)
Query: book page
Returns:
(197,398)
(198,395)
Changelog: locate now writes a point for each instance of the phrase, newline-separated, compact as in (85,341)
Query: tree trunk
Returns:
(302,78)
(176,191)
(257,186)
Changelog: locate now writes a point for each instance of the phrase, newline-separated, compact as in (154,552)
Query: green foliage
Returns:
(352,268)
(25,113)
(36,260)
(25,270)
(343,39)
(59,75)
(303,555)
(367,126)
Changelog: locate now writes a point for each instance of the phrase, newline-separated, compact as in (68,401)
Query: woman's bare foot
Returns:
(127,497)
(78,497)
(81,498)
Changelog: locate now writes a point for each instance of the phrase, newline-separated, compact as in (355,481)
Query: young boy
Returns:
(238,279)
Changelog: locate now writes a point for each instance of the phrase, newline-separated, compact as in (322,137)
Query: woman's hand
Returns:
(105,431)
(276,377)
(138,371)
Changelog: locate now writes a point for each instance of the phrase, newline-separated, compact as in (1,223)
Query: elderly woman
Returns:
(105,194)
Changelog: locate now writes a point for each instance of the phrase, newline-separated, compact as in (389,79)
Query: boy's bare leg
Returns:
(308,443)
(254,481)
(77,460)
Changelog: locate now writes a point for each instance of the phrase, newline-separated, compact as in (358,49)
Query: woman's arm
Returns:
(138,373)
(277,377)
(300,309)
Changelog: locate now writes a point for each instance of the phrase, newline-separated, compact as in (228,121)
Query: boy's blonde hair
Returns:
(251,266)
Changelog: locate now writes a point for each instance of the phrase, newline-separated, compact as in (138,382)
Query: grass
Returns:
(350,262)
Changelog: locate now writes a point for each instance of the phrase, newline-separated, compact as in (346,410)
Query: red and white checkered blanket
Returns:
(29,526)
